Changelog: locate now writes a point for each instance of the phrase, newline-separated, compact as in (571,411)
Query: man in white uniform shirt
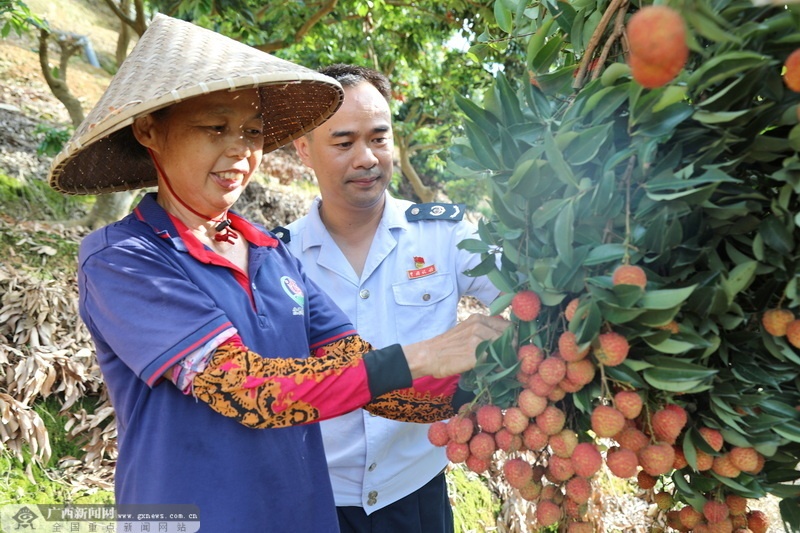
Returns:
(395,270)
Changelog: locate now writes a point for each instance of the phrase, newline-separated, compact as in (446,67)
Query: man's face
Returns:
(351,153)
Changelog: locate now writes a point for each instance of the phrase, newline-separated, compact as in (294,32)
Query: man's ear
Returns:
(301,147)
(145,132)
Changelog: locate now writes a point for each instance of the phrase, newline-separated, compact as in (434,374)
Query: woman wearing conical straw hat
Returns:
(218,353)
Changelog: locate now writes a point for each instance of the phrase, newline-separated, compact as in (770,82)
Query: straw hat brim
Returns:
(173,61)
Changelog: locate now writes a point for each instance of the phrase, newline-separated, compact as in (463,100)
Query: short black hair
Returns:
(350,75)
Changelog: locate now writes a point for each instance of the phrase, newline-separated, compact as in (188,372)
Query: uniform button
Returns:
(372,467)
(372,497)
(364,294)
(426,296)
(415,211)
(254,286)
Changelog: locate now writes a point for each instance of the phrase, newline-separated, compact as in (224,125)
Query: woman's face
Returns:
(208,147)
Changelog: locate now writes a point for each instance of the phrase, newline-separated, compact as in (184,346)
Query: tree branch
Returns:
(594,40)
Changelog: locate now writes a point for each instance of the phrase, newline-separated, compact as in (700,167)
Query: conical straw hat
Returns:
(175,60)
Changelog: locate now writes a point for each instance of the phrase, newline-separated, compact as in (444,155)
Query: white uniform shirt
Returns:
(374,461)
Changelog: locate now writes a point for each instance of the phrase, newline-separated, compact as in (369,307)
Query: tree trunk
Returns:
(108,207)
(124,39)
(423,192)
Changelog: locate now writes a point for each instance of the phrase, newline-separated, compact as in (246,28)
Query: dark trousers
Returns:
(425,511)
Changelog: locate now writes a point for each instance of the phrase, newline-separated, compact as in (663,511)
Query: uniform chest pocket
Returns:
(425,306)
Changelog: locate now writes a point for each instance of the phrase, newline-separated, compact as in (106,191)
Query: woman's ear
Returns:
(144,130)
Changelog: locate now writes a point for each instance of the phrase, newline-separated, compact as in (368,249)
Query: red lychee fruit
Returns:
(668,423)
(547,513)
(622,462)
(704,461)
(629,403)
(437,433)
(757,521)
(581,372)
(631,438)
(552,370)
(515,421)
(569,349)
(507,441)
(563,443)
(744,458)
(611,348)
(586,459)
(477,465)
(482,445)
(715,511)
(606,421)
(572,306)
(645,480)
(791,74)
(793,333)
(580,527)
(724,467)
(531,404)
(490,418)
(457,452)
(568,386)
(657,459)
(737,505)
(559,469)
(538,386)
(578,489)
(518,472)
(776,320)
(526,305)
(657,43)
(460,428)
(680,458)
(531,491)
(529,357)
(713,437)
(557,394)
(534,438)
(690,516)
(663,500)
(629,275)
(551,420)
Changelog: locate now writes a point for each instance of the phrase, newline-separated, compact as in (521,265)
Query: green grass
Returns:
(41,483)
(34,199)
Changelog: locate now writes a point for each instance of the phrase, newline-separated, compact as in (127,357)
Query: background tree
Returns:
(651,234)
(409,41)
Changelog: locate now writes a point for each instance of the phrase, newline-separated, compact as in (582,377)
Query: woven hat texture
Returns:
(175,60)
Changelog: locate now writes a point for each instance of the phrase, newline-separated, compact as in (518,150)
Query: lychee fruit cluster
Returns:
(657,41)
(782,323)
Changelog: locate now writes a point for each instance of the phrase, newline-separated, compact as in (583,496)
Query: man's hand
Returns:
(453,352)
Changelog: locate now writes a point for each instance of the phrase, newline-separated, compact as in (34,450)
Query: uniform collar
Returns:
(393,217)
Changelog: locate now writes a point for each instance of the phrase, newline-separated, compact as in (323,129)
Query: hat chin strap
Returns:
(223,227)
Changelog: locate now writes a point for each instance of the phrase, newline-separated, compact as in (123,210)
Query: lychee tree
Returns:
(648,214)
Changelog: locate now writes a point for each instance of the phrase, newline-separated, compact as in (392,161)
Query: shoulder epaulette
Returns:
(435,211)
(282,233)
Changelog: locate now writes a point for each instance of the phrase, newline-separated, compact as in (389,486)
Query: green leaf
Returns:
(536,42)
(670,346)
(723,66)
(482,118)
(739,279)
(605,253)
(562,169)
(563,232)
(788,430)
(504,17)
(666,298)
(484,151)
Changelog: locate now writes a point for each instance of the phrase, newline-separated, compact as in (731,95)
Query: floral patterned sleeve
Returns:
(342,376)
